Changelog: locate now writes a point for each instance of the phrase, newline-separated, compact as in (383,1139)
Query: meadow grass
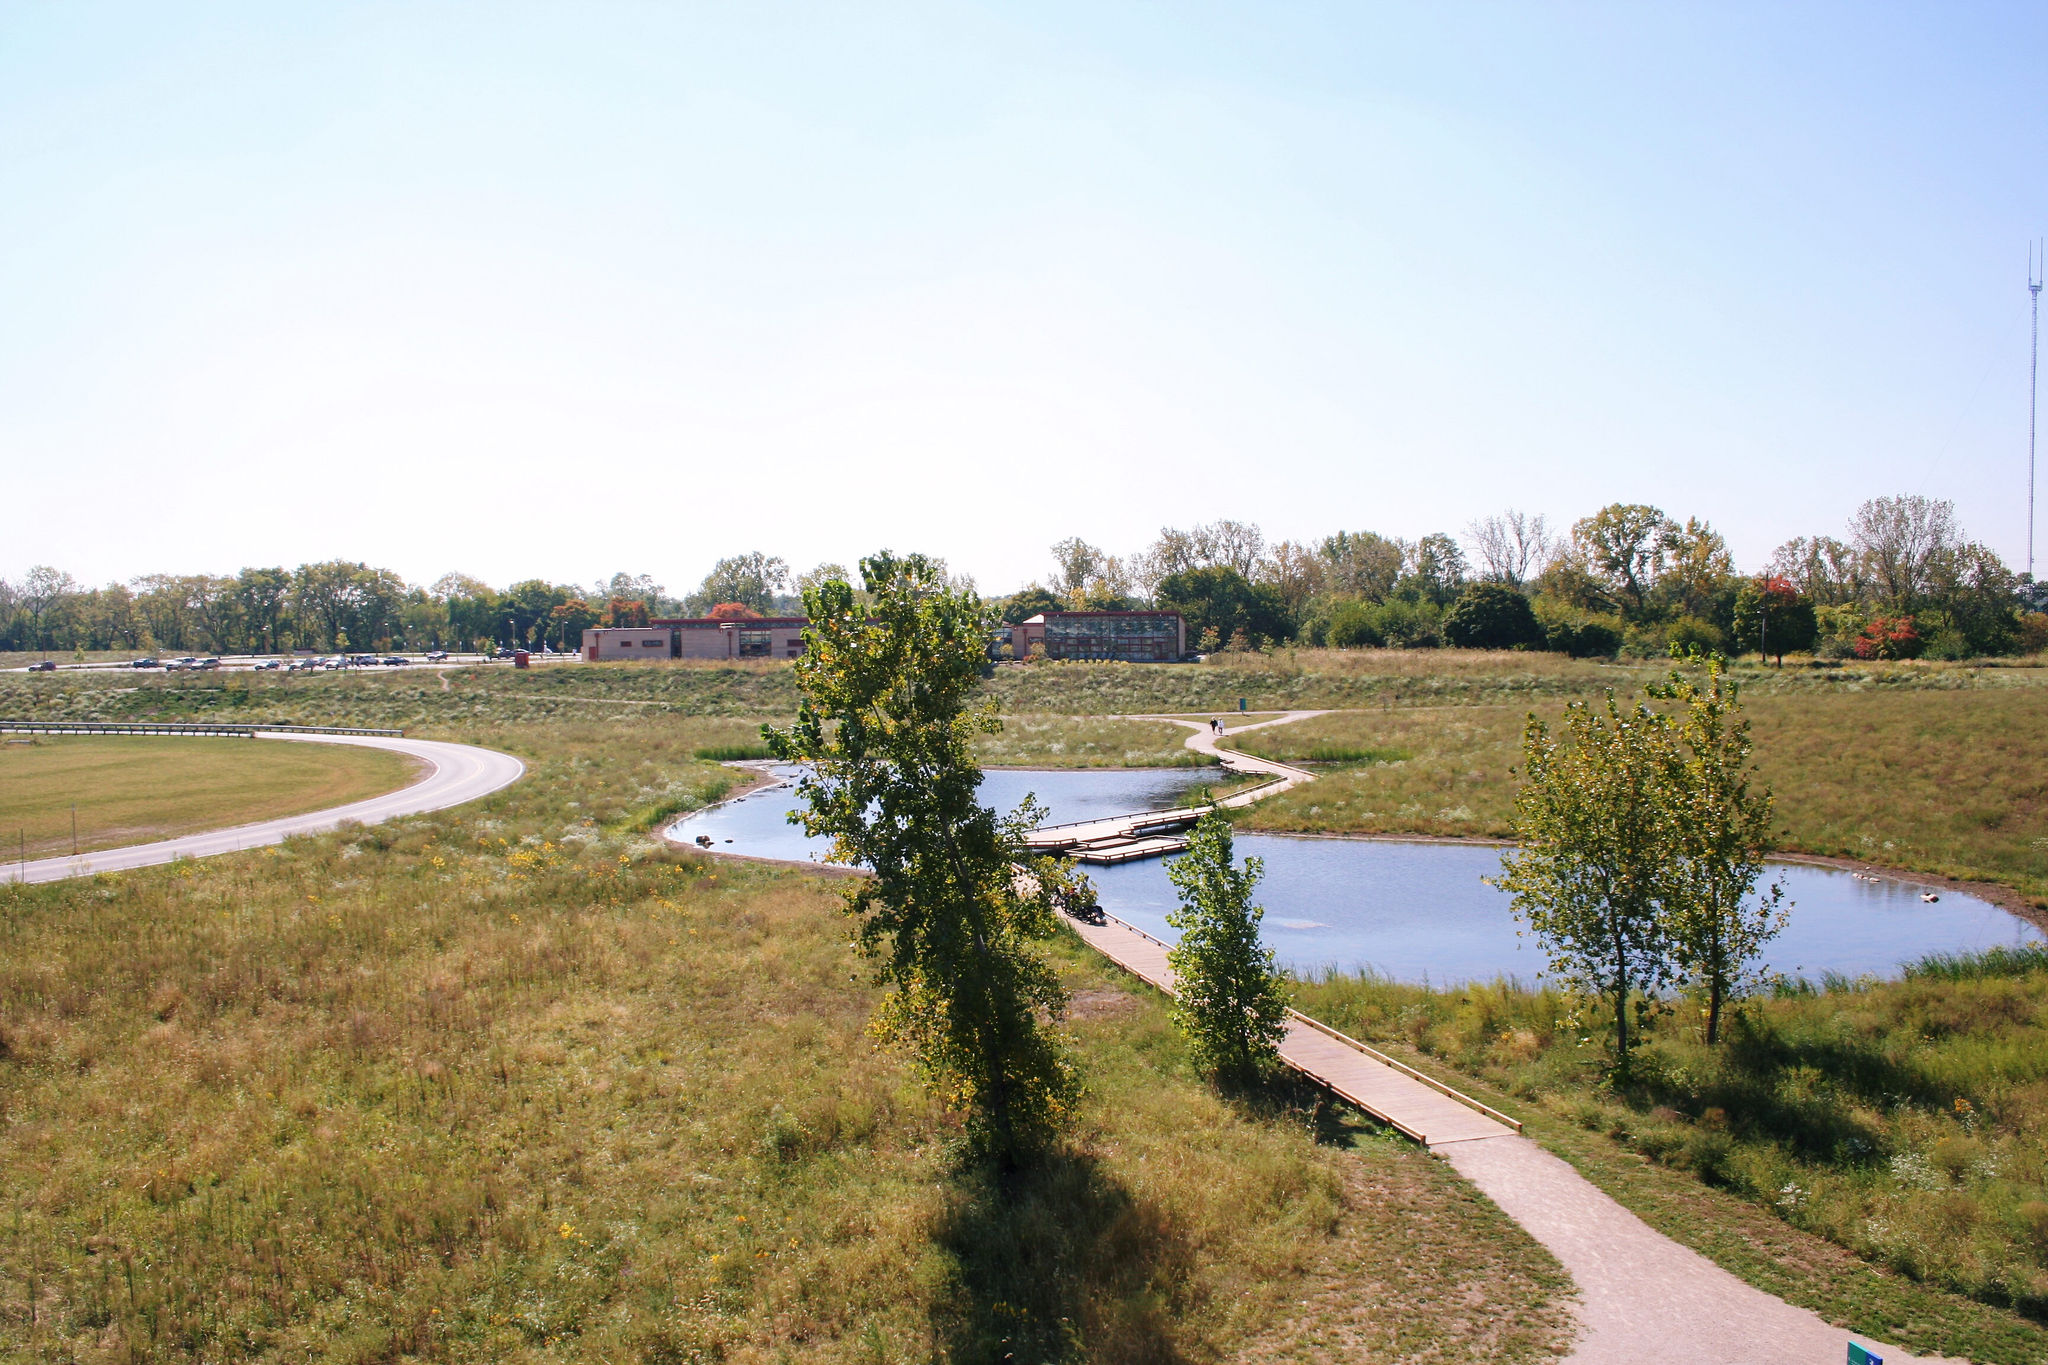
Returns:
(133,789)
(513,1082)
(1948,782)
(1087,742)
(1905,1122)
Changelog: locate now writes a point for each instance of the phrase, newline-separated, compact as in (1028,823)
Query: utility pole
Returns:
(2037,262)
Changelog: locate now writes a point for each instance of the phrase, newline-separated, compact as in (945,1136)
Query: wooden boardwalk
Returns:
(1380,1086)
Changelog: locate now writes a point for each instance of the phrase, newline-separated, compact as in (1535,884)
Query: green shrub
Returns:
(1492,616)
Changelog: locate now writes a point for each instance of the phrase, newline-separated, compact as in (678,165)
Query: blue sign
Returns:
(1860,1355)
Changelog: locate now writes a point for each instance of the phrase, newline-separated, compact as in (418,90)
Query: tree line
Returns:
(1902,580)
(338,605)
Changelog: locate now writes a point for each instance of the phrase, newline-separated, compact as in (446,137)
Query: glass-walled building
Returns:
(1138,637)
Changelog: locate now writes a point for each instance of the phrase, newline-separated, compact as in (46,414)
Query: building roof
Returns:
(712,622)
(1043,616)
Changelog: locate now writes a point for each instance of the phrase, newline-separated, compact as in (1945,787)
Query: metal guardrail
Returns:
(94,727)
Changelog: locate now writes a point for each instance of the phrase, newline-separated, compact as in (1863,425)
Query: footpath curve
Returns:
(456,774)
(1642,1296)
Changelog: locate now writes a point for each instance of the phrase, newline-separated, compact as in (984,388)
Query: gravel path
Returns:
(457,773)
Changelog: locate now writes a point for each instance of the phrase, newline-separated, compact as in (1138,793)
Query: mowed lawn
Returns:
(1947,782)
(134,789)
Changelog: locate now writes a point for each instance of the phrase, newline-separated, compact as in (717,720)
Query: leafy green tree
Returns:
(1361,564)
(1229,1001)
(1722,827)
(889,710)
(1698,572)
(531,603)
(1436,569)
(751,579)
(1622,547)
(1029,602)
(1594,820)
(265,599)
(1772,617)
(575,616)
(1492,616)
(1222,600)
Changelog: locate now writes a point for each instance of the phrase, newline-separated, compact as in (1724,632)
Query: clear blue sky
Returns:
(566,289)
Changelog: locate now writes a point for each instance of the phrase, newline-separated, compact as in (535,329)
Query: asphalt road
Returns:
(458,773)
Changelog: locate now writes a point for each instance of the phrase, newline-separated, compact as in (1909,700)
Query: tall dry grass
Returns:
(514,1083)
(1904,1120)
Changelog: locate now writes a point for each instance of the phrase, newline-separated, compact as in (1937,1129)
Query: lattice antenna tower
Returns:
(2037,263)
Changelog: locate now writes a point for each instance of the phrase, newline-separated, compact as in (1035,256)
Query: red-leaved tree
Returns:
(1888,637)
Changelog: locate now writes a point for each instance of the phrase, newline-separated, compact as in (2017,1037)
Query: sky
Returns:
(563,290)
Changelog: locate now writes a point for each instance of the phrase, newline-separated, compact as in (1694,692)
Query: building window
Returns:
(756,644)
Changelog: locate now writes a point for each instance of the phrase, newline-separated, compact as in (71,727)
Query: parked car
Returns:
(437,656)
(46,666)
(147,663)
(265,666)
(501,653)
(180,665)
(207,664)
(395,661)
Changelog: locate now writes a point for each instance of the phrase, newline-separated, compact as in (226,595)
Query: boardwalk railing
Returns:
(1382,1058)
(95,727)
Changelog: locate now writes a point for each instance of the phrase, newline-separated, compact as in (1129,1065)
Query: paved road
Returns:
(457,774)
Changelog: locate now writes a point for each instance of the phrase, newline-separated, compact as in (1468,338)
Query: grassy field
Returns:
(1948,782)
(1906,1122)
(133,789)
(1366,679)
(404,1061)
(1088,742)
(512,1083)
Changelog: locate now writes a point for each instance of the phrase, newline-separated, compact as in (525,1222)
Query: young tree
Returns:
(886,722)
(1723,828)
(1594,819)
(1229,1001)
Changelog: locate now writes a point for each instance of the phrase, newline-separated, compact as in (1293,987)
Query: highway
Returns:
(457,774)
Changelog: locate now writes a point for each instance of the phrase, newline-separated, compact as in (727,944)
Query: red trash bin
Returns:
(520,658)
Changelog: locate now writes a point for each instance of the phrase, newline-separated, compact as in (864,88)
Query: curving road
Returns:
(457,773)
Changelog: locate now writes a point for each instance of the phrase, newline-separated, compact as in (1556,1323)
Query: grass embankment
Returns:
(1904,1121)
(132,789)
(1953,783)
(512,1083)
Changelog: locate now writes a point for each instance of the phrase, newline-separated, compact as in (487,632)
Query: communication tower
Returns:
(2037,262)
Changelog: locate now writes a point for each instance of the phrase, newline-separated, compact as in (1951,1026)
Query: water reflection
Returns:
(1414,911)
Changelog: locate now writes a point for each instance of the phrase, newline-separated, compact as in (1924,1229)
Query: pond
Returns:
(1414,911)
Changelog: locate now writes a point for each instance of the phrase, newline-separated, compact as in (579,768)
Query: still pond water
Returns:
(1412,911)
